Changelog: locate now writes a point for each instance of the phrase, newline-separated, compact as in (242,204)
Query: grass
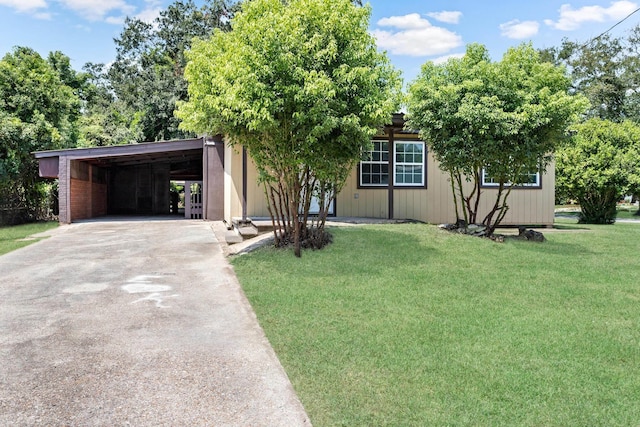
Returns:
(410,325)
(15,237)
(624,211)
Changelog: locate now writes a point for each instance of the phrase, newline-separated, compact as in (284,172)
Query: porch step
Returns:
(232,236)
(262,225)
(248,231)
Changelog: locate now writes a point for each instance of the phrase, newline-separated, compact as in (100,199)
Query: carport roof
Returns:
(147,152)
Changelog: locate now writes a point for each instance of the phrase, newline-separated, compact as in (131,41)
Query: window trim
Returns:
(392,166)
(533,186)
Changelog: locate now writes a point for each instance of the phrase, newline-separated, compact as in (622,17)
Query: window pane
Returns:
(409,168)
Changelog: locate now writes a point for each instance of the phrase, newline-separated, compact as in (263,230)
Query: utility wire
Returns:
(612,27)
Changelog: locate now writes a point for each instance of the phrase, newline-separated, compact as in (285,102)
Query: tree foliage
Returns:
(39,108)
(147,76)
(599,166)
(607,71)
(505,117)
(302,86)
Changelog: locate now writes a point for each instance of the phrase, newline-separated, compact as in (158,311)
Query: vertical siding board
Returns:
(433,204)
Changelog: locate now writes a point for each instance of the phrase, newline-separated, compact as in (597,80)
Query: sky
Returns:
(411,31)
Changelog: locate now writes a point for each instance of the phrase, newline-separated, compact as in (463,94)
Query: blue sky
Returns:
(411,31)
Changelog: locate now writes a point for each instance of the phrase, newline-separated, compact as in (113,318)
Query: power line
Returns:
(612,27)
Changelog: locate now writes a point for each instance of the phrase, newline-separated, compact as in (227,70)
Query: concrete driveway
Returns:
(131,322)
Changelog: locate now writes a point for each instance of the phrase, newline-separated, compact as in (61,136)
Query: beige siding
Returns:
(361,202)
(256,202)
(232,182)
(433,204)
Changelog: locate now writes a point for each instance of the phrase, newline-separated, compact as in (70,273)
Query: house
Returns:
(401,180)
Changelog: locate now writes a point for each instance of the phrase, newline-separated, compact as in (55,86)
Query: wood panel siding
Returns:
(232,182)
(433,204)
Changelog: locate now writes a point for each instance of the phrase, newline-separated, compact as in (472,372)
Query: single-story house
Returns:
(401,180)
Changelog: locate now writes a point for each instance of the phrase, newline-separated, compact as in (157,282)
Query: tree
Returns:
(38,111)
(303,88)
(599,72)
(147,74)
(599,167)
(501,117)
(107,120)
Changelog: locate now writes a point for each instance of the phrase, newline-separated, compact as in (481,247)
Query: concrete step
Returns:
(232,236)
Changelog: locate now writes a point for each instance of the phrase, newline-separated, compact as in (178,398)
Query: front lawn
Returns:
(410,325)
(15,237)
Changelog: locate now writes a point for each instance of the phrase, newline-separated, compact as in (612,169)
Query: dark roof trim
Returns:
(124,150)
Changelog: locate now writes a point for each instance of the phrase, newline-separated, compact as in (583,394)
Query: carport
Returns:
(135,179)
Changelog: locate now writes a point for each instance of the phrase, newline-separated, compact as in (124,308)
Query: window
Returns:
(531,179)
(375,172)
(409,165)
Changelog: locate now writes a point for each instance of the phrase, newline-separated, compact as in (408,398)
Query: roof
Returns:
(147,152)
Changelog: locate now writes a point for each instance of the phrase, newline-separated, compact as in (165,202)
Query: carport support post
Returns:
(64,190)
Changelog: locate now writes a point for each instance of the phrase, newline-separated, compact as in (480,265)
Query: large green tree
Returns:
(503,117)
(147,76)
(599,166)
(302,87)
(38,111)
(599,70)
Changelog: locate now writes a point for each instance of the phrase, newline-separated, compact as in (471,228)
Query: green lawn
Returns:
(408,325)
(12,238)
(624,211)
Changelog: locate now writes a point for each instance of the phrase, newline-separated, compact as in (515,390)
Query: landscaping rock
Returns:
(532,235)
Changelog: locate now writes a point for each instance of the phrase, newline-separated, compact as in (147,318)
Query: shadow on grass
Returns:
(570,227)
(365,251)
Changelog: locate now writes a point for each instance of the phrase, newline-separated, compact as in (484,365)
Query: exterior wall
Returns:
(88,192)
(433,204)
(232,182)
(358,202)
(213,180)
(257,205)
(141,189)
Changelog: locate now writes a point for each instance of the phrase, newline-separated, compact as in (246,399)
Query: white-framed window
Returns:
(530,179)
(374,172)
(408,165)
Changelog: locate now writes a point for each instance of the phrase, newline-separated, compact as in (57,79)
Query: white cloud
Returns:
(150,12)
(93,10)
(413,35)
(571,19)
(115,20)
(519,30)
(450,17)
(443,59)
(24,6)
